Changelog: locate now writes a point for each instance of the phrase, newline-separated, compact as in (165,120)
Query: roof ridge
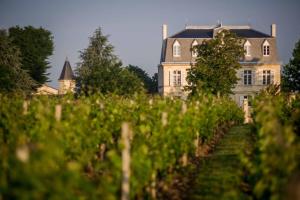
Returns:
(200,26)
(217,26)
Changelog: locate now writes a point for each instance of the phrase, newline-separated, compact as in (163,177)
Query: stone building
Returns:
(66,82)
(260,65)
(66,79)
(46,90)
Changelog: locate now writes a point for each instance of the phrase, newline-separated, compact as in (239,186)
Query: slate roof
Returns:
(190,34)
(208,33)
(194,33)
(67,72)
(249,33)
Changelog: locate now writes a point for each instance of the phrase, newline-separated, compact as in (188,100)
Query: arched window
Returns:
(247,46)
(194,51)
(266,48)
(176,49)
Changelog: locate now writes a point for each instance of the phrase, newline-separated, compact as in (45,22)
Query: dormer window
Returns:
(247,46)
(194,51)
(266,48)
(176,49)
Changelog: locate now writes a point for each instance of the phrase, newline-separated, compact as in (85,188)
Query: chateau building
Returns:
(66,82)
(260,65)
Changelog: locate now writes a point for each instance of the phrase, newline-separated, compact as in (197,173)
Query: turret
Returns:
(66,79)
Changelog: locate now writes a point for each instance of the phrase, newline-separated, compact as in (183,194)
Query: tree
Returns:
(100,70)
(150,84)
(216,65)
(154,88)
(291,72)
(12,77)
(36,45)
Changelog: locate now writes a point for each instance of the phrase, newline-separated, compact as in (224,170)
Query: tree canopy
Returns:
(12,77)
(99,69)
(216,64)
(150,83)
(36,45)
(291,71)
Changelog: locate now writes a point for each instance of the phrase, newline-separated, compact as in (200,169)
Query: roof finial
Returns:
(249,22)
(186,22)
(67,58)
(219,23)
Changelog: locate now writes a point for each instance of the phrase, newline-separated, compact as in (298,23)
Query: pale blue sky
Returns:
(134,26)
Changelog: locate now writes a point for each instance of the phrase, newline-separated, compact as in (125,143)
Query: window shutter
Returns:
(242,77)
(253,77)
(272,77)
(182,77)
(171,77)
(259,77)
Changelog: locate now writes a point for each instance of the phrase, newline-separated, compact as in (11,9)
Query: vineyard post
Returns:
(164,118)
(25,107)
(153,185)
(196,143)
(184,157)
(183,108)
(150,102)
(102,151)
(58,112)
(125,161)
(246,111)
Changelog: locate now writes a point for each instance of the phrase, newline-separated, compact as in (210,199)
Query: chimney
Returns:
(164,31)
(273,30)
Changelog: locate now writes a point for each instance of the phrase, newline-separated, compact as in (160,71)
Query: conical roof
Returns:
(67,72)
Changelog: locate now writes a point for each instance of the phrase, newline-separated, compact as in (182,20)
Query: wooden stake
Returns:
(102,151)
(101,106)
(164,118)
(58,112)
(125,161)
(196,143)
(184,159)
(25,107)
(246,111)
(183,108)
(150,102)
(153,186)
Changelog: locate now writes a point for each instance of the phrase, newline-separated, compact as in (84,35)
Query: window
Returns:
(267,77)
(177,78)
(266,48)
(247,48)
(194,51)
(176,49)
(247,77)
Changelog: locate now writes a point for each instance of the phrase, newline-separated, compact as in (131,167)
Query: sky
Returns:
(135,26)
